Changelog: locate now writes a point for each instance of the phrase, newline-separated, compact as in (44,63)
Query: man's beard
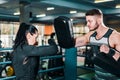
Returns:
(96,27)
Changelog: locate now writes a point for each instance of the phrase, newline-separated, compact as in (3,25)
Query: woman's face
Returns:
(32,39)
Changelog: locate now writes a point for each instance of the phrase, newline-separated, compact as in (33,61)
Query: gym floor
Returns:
(84,72)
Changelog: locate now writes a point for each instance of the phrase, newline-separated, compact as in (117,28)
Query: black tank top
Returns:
(102,40)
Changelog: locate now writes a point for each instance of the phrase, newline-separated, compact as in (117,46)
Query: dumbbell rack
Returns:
(3,64)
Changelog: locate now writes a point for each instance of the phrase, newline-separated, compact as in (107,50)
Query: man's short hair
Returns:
(94,12)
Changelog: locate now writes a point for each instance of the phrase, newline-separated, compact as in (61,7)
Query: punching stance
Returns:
(26,54)
(107,38)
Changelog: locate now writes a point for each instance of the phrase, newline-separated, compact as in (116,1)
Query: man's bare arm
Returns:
(83,40)
(115,40)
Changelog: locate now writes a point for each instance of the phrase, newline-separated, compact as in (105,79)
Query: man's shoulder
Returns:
(115,35)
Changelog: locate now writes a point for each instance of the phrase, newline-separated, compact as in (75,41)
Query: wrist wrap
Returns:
(111,52)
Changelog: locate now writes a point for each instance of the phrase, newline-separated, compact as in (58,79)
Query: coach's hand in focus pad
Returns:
(104,48)
(107,50)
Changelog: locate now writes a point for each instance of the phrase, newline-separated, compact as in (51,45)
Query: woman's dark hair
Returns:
(94,12)
(21,34)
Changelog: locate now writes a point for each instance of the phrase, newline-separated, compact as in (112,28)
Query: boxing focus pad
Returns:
(51,42)
(64,31)
(107,63)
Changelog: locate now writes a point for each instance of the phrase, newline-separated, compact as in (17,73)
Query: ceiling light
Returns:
(16,13)
(73,12)
(41,15)
(100,1)
(50,8)
(3,1)
(117,6)
(71,19)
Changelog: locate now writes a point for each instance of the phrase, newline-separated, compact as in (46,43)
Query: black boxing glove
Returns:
(51,42)
(118,61)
